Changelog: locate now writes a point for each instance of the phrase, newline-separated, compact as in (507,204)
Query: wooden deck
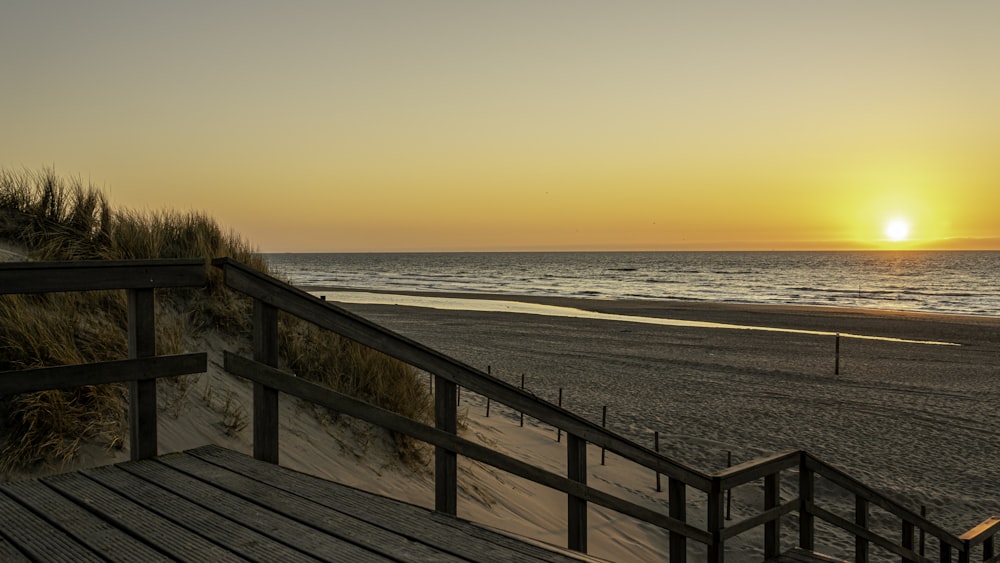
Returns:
(212,504)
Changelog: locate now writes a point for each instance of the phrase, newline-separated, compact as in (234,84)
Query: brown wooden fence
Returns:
(270,296)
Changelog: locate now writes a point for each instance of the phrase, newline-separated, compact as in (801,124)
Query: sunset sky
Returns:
(522,125)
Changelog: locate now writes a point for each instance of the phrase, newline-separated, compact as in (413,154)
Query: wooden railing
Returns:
(141,278)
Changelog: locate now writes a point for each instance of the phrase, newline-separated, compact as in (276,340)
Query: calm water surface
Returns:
(942,282)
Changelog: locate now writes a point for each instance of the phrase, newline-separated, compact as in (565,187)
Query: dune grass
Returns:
(56,219)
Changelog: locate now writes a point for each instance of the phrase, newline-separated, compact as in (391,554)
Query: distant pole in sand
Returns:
(488,372)
(836,365)
(522,389)
(559,430)
(729,492)
(656,447)
(604,424)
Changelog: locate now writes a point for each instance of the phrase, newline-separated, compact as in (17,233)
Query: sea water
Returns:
(939,282)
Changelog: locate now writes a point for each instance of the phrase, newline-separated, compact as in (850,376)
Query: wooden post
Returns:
(488,372)
(265,399)
(907,538)
(945,550)
(445,461)
(861,519)
(656,448)
(576,469)
(836,365)
(604,424)
(559,430)
(923,534)
(772,529)
(142,394)
(988,548)
(716,522)
(678,509)
(522,389)
(807,490)
(729,492)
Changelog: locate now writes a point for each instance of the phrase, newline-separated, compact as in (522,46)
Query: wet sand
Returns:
(916,421)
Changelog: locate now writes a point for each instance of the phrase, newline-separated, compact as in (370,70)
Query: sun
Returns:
(897,230)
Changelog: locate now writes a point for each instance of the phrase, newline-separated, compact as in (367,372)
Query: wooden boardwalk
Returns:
(212,504)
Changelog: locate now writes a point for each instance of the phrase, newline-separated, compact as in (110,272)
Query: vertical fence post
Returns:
(142,394)
(445,461)
(522,389)
(836,364)
(265,399)
(576,514)
(945,551)
(656,448)
(861,519)
(678,509)
(489,372)
(907,538)
(716,522)
(807,491)
(923,534)
(559,430)
(604,424)
(772,529)
(729,492)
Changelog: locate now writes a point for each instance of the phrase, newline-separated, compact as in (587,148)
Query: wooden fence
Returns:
(271,296)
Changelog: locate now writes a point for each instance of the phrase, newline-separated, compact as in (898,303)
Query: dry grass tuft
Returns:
(55,219)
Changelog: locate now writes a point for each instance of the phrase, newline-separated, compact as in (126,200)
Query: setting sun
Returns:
(897,230)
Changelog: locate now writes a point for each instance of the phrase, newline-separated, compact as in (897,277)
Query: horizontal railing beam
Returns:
(860,532)
(755,469)
(337,319)
(326,397)
(117,371)
(762,518)
(851,484)
(982,531)
(46,277)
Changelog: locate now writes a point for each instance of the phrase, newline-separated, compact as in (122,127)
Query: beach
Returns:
(916,421)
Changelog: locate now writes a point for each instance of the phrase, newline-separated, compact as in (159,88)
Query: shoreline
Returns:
(908,325)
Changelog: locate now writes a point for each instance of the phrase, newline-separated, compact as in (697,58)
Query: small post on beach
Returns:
(488,372)
(522,389)
(729,492)
(836,365)
(604,424)
(656,447)
(559,430)
(322,297)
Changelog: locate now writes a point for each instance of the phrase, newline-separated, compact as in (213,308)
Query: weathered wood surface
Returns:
(802,556)
(98,373)
(44,277)
(212,504)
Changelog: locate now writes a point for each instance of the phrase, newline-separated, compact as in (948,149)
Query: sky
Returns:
(466,125)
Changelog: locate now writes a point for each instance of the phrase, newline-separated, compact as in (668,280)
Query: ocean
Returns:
(965,283)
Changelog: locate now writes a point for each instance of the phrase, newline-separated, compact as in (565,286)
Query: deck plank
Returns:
(324,546)
(81,524)
(296,510)
(246,542)
(159,532)
(38,539)
(449,534)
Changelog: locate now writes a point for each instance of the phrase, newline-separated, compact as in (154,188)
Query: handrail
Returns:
(140,279)
(89,275)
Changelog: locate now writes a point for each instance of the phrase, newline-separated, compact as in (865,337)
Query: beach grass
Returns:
(53,218)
